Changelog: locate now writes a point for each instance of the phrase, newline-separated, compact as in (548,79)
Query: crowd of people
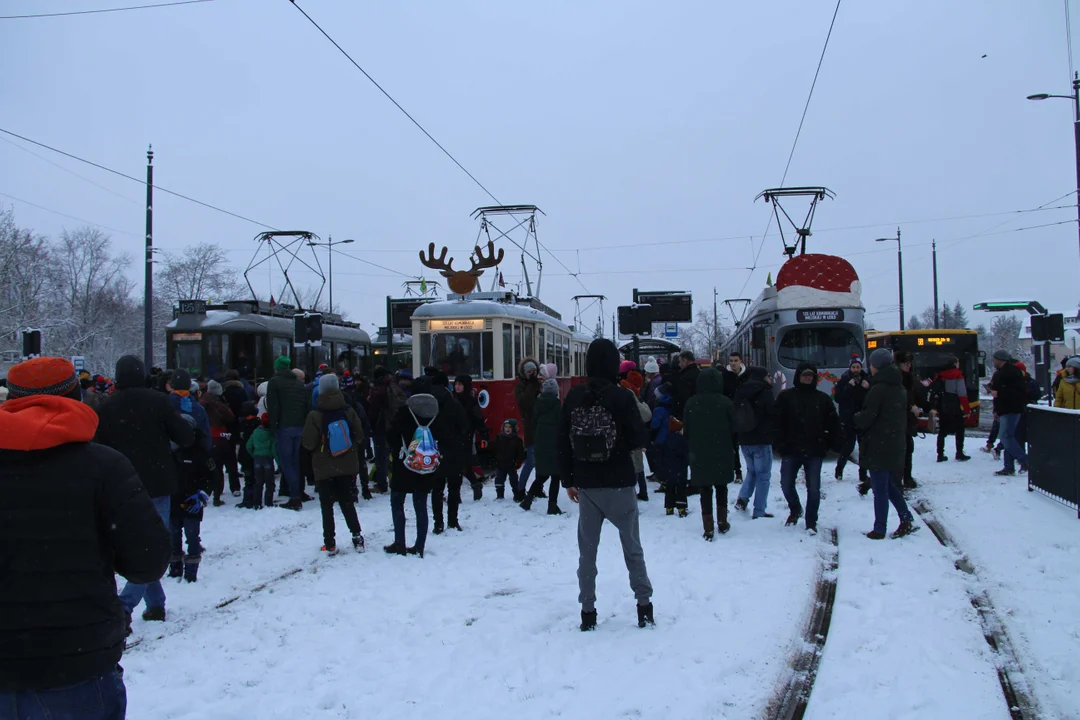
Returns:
(127,466)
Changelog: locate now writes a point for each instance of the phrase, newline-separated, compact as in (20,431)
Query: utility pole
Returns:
(900,270)
(933,245)
(148,295)
(715,332)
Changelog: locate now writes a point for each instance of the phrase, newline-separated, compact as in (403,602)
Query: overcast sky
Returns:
(629,123)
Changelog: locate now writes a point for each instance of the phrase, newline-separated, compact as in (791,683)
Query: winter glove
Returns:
(196,502)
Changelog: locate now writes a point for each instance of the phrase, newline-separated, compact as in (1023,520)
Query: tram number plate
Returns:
(192,307)
(823,315)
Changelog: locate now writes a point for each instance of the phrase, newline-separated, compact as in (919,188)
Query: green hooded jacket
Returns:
(709,426)
(262,443)
(883,422)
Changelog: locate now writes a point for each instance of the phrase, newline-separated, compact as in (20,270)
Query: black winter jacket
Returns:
(509,451)
(882,421)
(806,421)
(139,423)
(445,429)
(70,516)
(1011,386)
(759,394)
(684,385)
(849,398)
(618,470)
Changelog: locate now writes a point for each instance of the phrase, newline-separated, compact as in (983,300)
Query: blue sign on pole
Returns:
(671,330)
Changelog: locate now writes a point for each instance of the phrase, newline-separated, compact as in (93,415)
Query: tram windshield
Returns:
(467,353)
(822,346)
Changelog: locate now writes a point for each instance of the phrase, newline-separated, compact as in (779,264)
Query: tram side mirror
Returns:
(757,338)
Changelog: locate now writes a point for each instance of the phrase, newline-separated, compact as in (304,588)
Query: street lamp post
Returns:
(899,270)
(1075,97)
(330,245)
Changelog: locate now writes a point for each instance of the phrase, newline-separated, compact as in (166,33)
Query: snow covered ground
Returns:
(485,626)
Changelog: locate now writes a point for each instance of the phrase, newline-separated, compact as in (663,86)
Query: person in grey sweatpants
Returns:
(599,427)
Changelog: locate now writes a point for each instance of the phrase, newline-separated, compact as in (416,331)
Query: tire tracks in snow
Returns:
(792,693)
(1014,685)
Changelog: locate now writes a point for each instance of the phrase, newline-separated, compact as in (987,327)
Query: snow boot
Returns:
(662,490)
(454,525)
(910,484)
(526,503)
(588,620)
(1005,473)
(996,453)
(191,568)
(864,487)
(395,549)
(416,550)
(365,492)
(537,490)
(645,615)
(961,457)
(684,512)
(176,566)
(306,498)
(669,511)
(358,542)
(811,530)
(722,526)
(942,458)
(330,551)
(154,614)
(765,514)
(906,528)
(643,497)
(553,509)
(519,496)
(875,535)
(838,473)
(439,527)
(741,504)
(293,505)
(738,474)
(218,502)
(706,521)
(500,492)
(477,492)
(127,626)
(792,519)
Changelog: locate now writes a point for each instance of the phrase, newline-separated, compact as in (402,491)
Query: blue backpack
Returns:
(337,435)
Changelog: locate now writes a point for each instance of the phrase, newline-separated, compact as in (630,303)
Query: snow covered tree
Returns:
(959,316)
(1005,335)
(201,272)
(704,336)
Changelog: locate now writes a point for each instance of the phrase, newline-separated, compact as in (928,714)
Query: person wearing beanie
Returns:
(883,424)
(223,426)
(599,427)
(634,383)
(549,371)
(143,426)
(709,427)
(546,447)
(625,367)
(949,399)
(86,381)
(509,453)
(1009,389)
(526,391)
(288,404)
(851,391)
(734,376)
(651,368)
(1067,394)
(806,429)
(333,434)
(75,512)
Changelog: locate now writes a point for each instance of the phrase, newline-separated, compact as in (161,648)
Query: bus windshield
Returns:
(825,347)
(468,353)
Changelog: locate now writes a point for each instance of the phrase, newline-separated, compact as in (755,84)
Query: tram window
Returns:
(825,347)
(550,355)
(213,355)
(281,346)
(527,341)
(517,346)
(566,355)
(454,353)
(189,357)
(487,352)
(540,346)
(508,351)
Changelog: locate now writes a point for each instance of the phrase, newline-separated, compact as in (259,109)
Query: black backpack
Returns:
(746,417)
(593,430)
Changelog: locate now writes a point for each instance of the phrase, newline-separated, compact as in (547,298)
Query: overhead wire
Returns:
(424,130)
(794,144)
(70,217)
(70,172)
(103,10)
(1068,39)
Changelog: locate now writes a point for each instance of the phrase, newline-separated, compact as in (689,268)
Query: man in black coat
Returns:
(851,390)
(685,382)
(917,406)
(455,456)
(1010,402)
(735,374)
(73,513)
(139,423)
(806,429)
(599,426)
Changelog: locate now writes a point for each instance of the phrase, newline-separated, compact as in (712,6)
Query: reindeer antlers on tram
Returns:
(462,282)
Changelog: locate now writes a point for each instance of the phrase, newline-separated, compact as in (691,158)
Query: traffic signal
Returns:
(307,329)
(31,344)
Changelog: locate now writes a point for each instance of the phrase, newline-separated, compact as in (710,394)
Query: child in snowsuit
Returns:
(195,471)
(671,446)
(246,425)
(509,454)
(546,414)
(262,448)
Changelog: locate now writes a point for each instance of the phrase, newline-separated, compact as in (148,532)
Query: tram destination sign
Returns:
(820,315)
(667,305)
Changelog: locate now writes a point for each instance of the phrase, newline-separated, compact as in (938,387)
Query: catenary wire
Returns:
(425,131)
(70,172)
(70,217)
(103,10)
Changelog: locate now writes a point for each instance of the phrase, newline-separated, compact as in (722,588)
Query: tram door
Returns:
(245,354)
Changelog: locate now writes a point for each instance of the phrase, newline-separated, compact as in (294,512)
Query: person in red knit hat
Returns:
(74,512)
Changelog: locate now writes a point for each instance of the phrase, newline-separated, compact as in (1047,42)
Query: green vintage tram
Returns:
(246,335)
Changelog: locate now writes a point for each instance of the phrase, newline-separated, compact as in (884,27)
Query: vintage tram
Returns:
(486,336)
(246,335)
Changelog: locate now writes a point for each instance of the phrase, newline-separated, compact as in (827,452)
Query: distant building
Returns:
(1057,350)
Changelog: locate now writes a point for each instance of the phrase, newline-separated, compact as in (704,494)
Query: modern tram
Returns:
(486,336)
(247,335)
(812,314)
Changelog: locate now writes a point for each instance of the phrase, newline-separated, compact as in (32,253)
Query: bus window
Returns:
(826,347)
(508,351)
(454,353)
(189,357)
(527,342)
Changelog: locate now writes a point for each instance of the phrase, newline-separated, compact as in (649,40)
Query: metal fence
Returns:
(1054,454)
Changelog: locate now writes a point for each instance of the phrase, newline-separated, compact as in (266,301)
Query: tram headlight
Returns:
(483,399)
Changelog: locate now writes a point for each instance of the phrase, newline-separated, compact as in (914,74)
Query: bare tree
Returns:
(201,272)
(704,336)
(1005,335)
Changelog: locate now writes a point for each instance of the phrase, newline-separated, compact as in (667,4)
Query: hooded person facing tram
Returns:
(288,403)
(526,391)
(708,423)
